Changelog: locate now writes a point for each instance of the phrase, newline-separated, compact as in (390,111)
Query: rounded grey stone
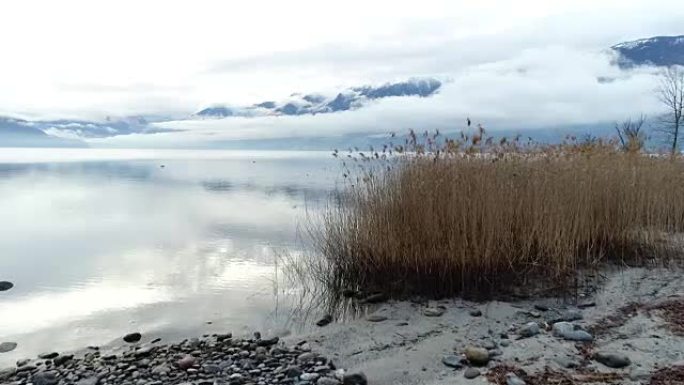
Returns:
(471,373)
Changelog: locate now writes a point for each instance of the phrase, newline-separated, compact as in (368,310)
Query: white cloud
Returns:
(539,88)
(85,59)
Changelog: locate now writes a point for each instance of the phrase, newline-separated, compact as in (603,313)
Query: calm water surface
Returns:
(100,243)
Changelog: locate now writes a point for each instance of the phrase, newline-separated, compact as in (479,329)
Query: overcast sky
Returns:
(502,60)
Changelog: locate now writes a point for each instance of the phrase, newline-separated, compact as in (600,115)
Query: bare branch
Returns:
(671,94)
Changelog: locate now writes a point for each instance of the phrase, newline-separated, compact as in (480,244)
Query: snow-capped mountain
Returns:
(21,133)
(349,99)
(657,51)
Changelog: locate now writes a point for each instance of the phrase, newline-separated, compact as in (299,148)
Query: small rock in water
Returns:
(132,337)
(513,379)
(530,329)
(6,285)
(612,360)
(376,318)
(476,313)
(505,343)
(471,373)
(541,307)
(186,362)
(452,361)
(355,379)
(327,319)
(434,311)
(48,356)
(7,346)
(477,356)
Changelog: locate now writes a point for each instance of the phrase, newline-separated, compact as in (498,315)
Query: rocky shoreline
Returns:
(212,360)
(630,331)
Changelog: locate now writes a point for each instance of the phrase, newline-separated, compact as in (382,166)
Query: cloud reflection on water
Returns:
(97,249)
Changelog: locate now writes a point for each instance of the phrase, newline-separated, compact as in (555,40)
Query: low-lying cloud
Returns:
(540,87)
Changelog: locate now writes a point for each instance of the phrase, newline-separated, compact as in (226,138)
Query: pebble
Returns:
(489,345)
(89,381)
(48,356)
(495,353)
(541,307)
(309,376)
(571,315)
(6,285)
(452,361)
(186,362)
(355,379)
(476,313)
(471,373)
(306,357)
(505,343)
(61,360)
(376,318)
(513,379)
(477,356)
(293,372)
(530,329)
(327,381)
(567,331)
(7,346)
(132,337)
(44,378)
(612,360)
(326,320)
(268,342)
(434,311)
(6,373)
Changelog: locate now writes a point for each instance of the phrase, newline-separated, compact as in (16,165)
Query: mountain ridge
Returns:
(311,104)
(660,51)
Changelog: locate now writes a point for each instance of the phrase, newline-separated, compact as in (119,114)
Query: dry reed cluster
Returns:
(472,217)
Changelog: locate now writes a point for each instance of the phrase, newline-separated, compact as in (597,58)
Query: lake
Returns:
(170,243)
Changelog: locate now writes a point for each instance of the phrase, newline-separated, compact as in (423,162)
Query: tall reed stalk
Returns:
(470,216)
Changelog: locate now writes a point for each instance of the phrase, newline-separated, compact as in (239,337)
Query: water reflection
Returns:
(99,246)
